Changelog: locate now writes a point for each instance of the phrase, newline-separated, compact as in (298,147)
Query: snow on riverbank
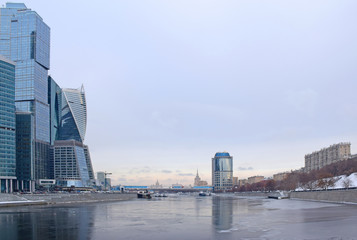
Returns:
(351,180)
(340,182)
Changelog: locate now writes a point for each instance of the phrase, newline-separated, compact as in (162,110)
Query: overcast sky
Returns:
(170,83)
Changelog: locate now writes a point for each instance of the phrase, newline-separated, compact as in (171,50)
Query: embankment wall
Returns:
(253,194)
(341,196)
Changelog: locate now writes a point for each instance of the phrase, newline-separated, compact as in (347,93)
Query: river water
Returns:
(183,217)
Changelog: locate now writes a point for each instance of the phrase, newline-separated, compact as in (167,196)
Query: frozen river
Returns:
(183,217)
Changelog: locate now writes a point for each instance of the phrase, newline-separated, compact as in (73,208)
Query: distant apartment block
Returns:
(242,182)
(255,179)
(100,179)
(235,181)
(280,176)
(334,153)
(108,183)
(103,180)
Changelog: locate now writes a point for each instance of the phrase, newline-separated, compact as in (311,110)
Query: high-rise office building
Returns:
(45,113)
(55,102)
(70,166)
(68,125)
(25,155)
(25,39)
(74,114)
(7,125)
(222,171)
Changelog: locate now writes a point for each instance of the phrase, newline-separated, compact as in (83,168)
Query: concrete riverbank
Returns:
(252,194)
(8,200)
(336,196)
(262,194)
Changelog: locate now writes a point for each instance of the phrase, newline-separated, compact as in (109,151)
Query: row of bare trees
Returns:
(322,178)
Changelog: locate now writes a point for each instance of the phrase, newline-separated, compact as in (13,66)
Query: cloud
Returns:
(303,101)
(186,174)
(145,169)
(164,121)
(121,179)
(166,171)
(245,168)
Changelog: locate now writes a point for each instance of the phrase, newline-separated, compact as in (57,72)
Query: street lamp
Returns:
(105,179)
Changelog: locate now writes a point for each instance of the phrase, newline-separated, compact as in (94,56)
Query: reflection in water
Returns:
(222,213)
(46,223)
(223,217)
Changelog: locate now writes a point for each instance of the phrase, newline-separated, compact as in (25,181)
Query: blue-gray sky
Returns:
(169,83)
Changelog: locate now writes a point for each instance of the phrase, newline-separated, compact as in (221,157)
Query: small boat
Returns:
(275,197)
(203,194)
(144,194)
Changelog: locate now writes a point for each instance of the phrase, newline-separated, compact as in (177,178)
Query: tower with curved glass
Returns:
(71,160)
(74,114)
(222,172)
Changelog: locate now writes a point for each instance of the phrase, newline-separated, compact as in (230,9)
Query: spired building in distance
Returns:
(222,172)
(25,40)
(198,182)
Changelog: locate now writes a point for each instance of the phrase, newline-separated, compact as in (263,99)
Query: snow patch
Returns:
(341,182)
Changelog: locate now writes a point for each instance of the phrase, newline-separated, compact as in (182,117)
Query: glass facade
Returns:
(82,165)
(222,172)
(7,120)
(25,39)
(45,113)
(74,114)
(55,102)
(70,165)
(25,146)
(89,163)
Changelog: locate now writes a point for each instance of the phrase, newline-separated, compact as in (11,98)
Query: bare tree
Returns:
(347,183)
(270,185)
(326,180)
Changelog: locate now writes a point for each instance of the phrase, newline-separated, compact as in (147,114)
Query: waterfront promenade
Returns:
(8,200)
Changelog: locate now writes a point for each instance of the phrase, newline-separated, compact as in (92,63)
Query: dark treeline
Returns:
(315,179)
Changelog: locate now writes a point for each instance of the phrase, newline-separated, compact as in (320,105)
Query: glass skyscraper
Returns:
(7,125)
(70,165)
(71,160)
(25,39)
(222,171)
(25,155)
(74,114)
(45,113)
(55,102)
